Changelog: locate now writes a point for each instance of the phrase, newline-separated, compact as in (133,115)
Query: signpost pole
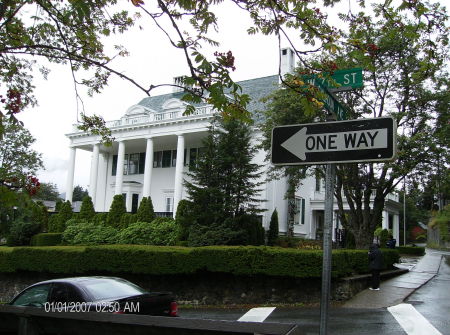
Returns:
(327,246)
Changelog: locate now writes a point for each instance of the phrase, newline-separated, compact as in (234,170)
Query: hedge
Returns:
(271,261)
(46,239)
(417,251)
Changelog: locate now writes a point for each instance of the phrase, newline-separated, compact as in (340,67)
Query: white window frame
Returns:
(299,216)
(168,203)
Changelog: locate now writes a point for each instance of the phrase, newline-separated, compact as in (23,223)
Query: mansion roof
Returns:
(257,89)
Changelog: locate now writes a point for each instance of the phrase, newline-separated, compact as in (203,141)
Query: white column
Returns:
(178,173)
(148,168)
(119,170)
(70,174)
(128,201)
(385,220)
(94,173)
(396,228)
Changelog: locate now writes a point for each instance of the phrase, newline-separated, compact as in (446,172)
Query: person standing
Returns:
(375,266)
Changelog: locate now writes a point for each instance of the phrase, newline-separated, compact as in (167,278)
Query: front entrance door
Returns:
(134,203)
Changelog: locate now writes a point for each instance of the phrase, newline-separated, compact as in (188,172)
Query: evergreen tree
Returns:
(64,215)
(145,211)
(58,205)
(79,193)
(40,215)
(183,218)
(87,211)
(116,211)
(224,181)
(273,229)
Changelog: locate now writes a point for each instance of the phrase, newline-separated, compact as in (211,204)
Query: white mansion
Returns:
(155,144)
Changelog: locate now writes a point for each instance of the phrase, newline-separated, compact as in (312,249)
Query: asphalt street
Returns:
(432,300)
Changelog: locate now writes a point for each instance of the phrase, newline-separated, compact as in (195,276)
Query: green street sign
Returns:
(331,104)
(346,80)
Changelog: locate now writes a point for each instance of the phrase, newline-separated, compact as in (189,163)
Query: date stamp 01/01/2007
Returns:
(103,306)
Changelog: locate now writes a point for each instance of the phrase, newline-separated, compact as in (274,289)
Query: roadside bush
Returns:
(46,239)
(155,260)
(88,233)
(21,232)
(156,233)
(417,251)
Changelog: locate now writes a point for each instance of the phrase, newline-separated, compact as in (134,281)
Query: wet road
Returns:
(432,300)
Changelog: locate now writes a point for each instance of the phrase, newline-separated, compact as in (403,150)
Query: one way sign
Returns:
(363,140)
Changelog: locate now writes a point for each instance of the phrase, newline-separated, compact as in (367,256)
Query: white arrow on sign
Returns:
(302,143)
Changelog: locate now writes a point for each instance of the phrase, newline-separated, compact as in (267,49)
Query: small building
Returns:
(155,145)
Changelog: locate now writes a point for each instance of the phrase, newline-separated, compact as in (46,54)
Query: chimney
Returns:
(180,85)
(287,63)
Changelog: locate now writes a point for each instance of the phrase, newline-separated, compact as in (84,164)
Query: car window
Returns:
(112,289)
(58,293)
(73,294)
(34,296)
(64,292)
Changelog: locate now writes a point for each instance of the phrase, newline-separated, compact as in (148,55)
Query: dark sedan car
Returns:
(96,294)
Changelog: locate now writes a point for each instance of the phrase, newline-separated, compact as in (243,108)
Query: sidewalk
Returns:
(395,290)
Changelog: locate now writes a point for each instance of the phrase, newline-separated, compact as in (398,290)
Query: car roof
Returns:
(76,280)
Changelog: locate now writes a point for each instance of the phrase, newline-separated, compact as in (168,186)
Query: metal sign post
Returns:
(330,143)
(327,246)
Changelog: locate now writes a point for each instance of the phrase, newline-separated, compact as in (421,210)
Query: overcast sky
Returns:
(152,61)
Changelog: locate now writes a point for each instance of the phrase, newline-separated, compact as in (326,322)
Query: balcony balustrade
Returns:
(158,117)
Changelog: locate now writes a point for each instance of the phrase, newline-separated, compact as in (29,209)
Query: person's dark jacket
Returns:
(375,258)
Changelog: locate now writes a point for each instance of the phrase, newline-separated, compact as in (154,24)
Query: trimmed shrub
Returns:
(156,233)
(46,239)
(116,211)
(179,260)
(417,251)
(184,219)
(145,212)
(62,217)
(58,205)
(55,259)
(20,232)
(253,229)
(273,229)
(39,214)
(100,218)
(161,220)
(215,234)
(127,219)
(384,236)
(87,211)
(88,233)
(53,223)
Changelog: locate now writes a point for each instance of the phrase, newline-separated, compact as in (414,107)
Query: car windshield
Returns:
(109,289)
